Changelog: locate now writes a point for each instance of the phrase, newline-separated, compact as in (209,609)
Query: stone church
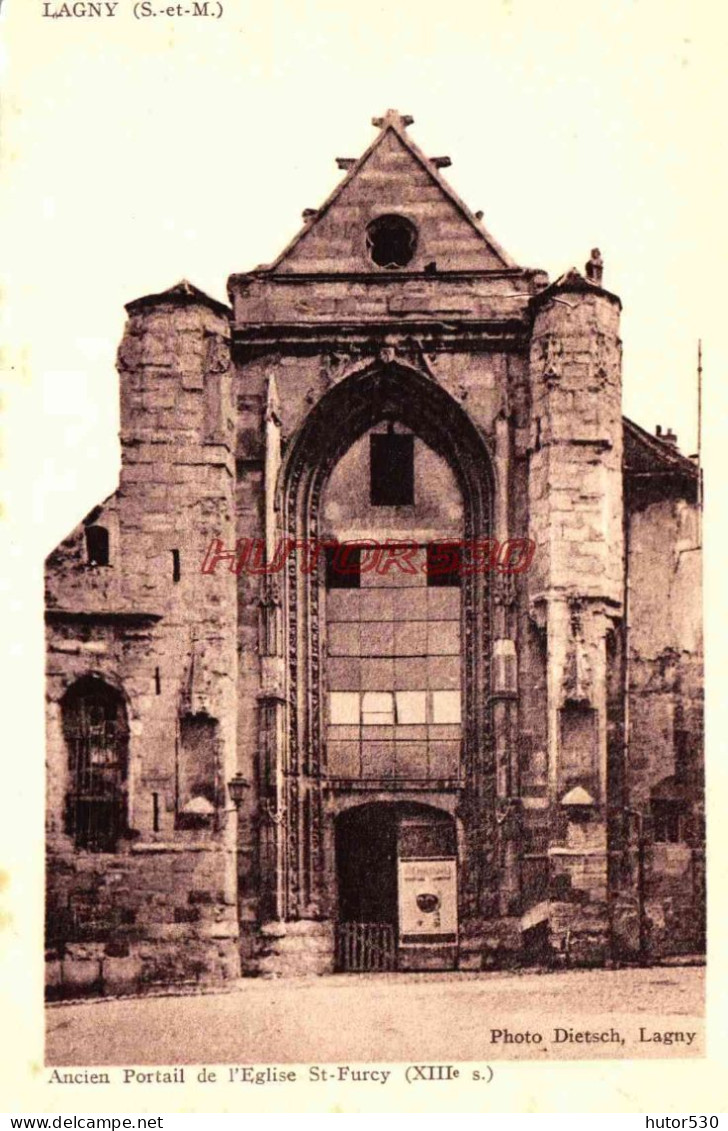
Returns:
(386,653)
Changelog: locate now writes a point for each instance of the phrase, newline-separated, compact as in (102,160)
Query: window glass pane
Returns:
(344,707)
(392,469)
(411,707)
(343,567)
(444,564)
(377,701)
(446,706)
(378,708)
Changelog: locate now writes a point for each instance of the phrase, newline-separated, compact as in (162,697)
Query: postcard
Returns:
(360,450)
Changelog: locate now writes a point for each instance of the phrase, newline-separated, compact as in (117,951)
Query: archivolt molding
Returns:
(375,392)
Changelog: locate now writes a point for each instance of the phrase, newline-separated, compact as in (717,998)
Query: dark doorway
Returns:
(366,864)
(374,843)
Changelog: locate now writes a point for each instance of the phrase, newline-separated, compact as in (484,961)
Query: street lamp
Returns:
(236,788)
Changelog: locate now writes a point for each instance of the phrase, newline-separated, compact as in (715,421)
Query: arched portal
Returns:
(408,403)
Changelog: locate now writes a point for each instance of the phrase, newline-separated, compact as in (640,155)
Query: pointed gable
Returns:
(393,177)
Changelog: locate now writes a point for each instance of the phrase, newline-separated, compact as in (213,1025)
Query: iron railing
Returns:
(365,947)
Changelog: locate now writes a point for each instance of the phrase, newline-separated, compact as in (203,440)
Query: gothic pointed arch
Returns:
(392,392)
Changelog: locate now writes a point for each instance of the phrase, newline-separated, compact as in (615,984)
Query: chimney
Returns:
(667,437)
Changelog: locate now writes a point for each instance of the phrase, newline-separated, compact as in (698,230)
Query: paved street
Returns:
(400,1017)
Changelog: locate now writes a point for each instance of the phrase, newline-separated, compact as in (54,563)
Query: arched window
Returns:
(97,545)
(97,738)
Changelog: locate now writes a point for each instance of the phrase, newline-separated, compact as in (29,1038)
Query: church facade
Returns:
(386,653)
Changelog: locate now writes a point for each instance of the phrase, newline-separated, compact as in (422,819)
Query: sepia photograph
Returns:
(365,551)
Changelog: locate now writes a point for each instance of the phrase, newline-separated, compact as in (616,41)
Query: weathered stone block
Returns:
(293,966)
(81,975)
(224,929)
(81,951)
(186,914)
(201,896)
(53,975)
(121,975)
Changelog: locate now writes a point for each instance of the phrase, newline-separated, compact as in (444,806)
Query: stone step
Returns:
(291,949)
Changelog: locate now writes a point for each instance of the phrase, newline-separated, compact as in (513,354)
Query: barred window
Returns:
(97,737)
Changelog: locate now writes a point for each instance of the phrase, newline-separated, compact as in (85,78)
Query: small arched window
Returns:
(97,545)
(97,737)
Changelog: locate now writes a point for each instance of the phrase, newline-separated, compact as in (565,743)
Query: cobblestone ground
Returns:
(438,1017)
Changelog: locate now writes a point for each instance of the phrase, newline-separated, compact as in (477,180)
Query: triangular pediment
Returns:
(392,178)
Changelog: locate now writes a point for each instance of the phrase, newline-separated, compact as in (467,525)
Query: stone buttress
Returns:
(142,663)
(575,588)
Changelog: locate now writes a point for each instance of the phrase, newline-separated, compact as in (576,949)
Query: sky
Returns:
(137,153)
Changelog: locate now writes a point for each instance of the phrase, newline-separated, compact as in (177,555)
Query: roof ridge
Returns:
(664,450)
(183,290)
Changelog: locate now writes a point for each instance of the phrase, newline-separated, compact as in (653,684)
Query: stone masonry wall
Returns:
(167,897)
(575,587)
(665,727)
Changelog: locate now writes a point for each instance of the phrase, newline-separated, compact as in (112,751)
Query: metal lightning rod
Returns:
(700,424)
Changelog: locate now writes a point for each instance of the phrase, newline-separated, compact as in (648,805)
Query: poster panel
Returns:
(428,905)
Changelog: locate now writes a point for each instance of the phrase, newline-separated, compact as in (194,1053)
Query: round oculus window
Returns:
(391,241)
